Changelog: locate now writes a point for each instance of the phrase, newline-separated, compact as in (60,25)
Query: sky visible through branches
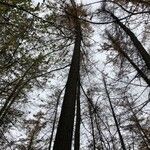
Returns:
(74,75)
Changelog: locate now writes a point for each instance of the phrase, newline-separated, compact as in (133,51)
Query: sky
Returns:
(84,2)
(79,1)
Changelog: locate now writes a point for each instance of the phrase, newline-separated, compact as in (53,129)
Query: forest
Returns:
(74,75)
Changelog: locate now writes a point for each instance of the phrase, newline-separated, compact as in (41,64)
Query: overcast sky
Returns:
(79,1)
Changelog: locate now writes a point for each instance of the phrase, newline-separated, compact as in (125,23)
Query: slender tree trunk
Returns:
(55,117)
(91,113)
(97,116)
(100,133)
(33,133)
(11,96)
(92,127)
(119,49)
(15,92)
(142,133)
(114,116)
(11,101)
(63,140)
(29,147)
(134,39)
(78,120)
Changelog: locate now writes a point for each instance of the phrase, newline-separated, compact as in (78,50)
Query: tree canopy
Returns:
(74,75)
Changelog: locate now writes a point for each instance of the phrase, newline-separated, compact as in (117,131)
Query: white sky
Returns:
(78,1)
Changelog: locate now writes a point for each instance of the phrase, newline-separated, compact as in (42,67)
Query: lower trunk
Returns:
(92,127)
(63,140)
(55,117)
(142,133)
(114,116)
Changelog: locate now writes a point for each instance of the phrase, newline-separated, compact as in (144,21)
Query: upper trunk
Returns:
(124,54)
(136,42)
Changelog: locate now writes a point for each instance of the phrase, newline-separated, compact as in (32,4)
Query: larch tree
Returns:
(64,135)
(63,87)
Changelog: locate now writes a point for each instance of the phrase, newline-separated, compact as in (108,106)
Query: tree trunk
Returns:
(15,92)
(114,116)
(92,126)
(63,140)
(134,39)
(119,49)
(78,120)
(55,117)
(142,133)
(91,109)
(9,102)
(100,133)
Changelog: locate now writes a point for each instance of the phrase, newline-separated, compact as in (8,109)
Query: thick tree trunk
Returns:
(63,140)
(134,39)
(114,116)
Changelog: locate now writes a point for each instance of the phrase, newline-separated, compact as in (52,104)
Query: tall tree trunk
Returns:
(91,109)
(11,101)
(78,120)
(143,134)
(100,133)
(14,94)
(97,115)
(55,117)
(92,127)
(33,134)
(134,39)
(119,49)
(114,116)
(63,140)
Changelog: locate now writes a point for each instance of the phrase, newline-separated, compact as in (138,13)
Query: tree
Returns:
(94,56)
(64,133)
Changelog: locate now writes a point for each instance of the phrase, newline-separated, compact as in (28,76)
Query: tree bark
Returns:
(92,127)
(63,140)
(143,134)
(114,116)
(55,117)
(134,39)
(119,49)
(78,121)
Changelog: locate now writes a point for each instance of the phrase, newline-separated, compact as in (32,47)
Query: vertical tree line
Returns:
(63,140)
